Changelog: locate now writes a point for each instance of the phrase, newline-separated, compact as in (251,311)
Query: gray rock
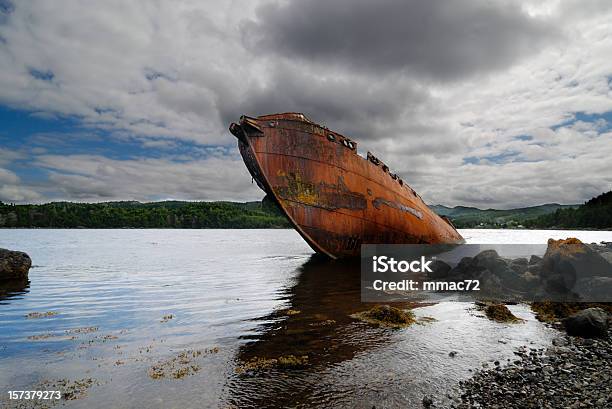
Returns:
(427,401)
(595,288)
(607,256)
(592,322)
(14,265)
(439,269)
(573,260)
(560,341)
(530,278)
(519,265)
(533,260)
(489,260)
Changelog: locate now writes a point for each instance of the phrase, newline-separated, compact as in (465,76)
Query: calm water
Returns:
(229,289)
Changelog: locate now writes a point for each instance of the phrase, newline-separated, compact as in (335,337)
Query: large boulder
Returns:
(495,271)
(592,322)
(471,267)
(489,260)
(14,265)
(501,268)
(572,254)
(568,262)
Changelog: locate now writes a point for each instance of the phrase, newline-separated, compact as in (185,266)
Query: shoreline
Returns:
(573,372)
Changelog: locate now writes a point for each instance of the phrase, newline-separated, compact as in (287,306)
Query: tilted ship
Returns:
(335,198)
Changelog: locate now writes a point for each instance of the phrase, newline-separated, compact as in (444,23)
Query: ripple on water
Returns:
(228,290)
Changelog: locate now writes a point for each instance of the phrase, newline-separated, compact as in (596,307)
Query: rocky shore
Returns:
(572,373)
(569,271)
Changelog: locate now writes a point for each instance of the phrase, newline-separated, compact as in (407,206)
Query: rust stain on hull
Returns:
(335,199)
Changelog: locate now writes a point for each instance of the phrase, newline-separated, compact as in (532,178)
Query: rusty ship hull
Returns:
(335,198)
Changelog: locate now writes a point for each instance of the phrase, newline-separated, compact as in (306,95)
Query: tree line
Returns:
(593,214)
(168,214)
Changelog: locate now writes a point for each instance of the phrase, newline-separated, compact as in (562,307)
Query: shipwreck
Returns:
(334,198)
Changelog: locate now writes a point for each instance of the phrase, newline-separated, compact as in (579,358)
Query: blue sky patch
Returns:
(31,134)
(584,117)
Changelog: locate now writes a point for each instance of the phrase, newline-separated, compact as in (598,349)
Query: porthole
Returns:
(331,137)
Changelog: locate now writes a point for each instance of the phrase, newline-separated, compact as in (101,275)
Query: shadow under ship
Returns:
(335,198)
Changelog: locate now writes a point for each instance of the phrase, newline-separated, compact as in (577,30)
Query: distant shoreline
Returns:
(594,215)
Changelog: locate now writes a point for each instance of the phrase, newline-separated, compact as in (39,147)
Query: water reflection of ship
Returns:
(327,292)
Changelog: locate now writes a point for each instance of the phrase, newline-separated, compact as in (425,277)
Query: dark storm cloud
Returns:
(356,105)
(444,40)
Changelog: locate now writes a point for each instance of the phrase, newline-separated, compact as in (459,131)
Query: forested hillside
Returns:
(168,214)
(469,217)
(594,214)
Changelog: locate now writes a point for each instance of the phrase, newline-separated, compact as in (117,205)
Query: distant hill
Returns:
(470,217)
(593,214)
(129,214)
(596,213)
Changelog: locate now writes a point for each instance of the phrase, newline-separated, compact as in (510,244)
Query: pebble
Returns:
(571,373)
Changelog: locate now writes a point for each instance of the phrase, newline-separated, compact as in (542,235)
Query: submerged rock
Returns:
(14,265)
(182,365)
(592,322)
(292,361)
(387,316)
(501,313)
(428,401)
(256,364)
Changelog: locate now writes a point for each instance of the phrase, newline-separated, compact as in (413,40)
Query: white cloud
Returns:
(156,71)
(97,178)
(11,190)
(6,177)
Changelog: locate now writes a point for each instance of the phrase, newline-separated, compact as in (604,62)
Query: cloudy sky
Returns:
(481,103)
